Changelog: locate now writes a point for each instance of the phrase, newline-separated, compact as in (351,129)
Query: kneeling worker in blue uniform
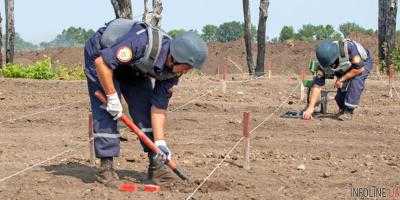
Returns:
(123,58)
(350,63)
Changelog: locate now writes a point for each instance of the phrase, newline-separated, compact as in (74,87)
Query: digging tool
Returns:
(146,141)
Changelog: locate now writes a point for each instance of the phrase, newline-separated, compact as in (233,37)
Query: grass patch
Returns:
(42,69)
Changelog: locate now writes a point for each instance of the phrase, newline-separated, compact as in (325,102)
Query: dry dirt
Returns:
(43,119)
(286,58)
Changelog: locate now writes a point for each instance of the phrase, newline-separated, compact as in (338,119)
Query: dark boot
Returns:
(346,114)
(157,172)
(107,174)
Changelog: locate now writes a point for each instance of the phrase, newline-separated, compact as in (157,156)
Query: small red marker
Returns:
(151,188)
(128,187)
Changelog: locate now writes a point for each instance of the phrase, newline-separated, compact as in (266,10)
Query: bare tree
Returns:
(261,42)
(10,31)
(153,17)
(1,42)
(248,36)
(122,8)
(387,31)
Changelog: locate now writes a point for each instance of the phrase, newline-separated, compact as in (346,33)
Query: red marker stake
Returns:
(246,135)
(91,140)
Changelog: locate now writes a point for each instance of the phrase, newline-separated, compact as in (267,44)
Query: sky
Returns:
(42,20)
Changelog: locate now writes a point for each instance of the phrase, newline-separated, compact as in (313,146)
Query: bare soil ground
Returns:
(43,119)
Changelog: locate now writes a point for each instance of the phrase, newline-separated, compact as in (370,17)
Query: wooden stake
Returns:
(302,89)
(246,135)
(218,73)
(224,78)
(269,67)
(269,74)
(91,141)
(391,81)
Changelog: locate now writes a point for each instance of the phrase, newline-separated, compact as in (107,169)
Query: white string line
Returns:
(397,93)
(37,164)
(70,150)
(40,112)
(238,142)
(192,100)
(73,149)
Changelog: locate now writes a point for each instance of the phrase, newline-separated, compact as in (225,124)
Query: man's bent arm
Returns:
(158,118)
(351,74)
(315,95)
(105,75)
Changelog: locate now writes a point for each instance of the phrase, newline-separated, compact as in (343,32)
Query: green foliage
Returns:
(230,31)
(39,70)
(68,73)
(287,33)
(311,32)
(71,37)
(327,32)
(350,27)
(175,32)
(42,69)
(22,45)
(209,33)
(396,60)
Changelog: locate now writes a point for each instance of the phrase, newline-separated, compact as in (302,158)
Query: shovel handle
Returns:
(143,137)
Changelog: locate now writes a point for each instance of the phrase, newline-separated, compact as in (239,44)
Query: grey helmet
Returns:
(189,48)
(327,53)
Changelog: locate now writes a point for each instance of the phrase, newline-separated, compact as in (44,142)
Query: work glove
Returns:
(114,106)
(166,153)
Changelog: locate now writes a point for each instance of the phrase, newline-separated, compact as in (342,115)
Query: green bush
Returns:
(65,73)
(42,69)
(396,60)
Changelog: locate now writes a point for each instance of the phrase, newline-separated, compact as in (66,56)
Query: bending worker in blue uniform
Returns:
(121,59)
(350,63)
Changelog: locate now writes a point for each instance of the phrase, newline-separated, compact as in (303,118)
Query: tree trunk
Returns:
(387,32)
(154,17)
(157,13)
(146,14)
(122,8)
(1,41)
(261,42)
(248,36)
(10,31)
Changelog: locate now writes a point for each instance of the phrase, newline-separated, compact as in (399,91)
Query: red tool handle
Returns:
(143,137)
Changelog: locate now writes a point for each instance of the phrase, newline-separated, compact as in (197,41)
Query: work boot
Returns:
(345,114)
(157,172)
(107,174)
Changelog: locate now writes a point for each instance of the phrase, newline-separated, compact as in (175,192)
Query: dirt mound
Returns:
(70,57)
(286,58)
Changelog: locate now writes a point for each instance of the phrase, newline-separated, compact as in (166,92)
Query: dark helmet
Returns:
(189,48)
(327,53)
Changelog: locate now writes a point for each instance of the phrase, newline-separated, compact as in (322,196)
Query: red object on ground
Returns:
(151,188)
(128,187)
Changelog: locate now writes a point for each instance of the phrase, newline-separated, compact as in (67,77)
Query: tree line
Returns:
(309,32)
(226,32)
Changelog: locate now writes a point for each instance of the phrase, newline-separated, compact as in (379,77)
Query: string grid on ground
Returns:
(38,164)
(238,142)
(73,149)
(40,112)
